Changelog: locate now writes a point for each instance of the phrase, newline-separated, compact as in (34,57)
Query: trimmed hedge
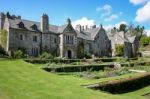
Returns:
(43,61)
(78,68)
(123,85)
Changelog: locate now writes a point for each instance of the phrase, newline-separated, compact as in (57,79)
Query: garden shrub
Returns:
(119,50)
(17,54)
(46,55)
(88,56)
(2,51)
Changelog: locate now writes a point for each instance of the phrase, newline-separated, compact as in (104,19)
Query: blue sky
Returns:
(107,12)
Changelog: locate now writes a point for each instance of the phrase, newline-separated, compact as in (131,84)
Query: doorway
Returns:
(69,54)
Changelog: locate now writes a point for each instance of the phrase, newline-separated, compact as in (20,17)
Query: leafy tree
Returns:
(145,40)
(123,27)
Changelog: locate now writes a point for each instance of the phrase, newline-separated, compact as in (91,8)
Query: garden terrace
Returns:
(122,85)
(91,67)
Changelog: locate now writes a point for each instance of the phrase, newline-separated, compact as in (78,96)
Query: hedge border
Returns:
(122,85)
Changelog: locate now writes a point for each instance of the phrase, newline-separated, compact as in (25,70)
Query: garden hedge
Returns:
(79,68)
(43,61)
(123,85)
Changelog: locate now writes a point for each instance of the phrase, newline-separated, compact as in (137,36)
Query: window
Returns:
(34,27)
(69,39)
(35,51)
(21,25)
(35,38)
(21,37)
(55,40)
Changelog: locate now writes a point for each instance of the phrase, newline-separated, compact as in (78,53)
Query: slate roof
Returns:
(88,34)
(128,38)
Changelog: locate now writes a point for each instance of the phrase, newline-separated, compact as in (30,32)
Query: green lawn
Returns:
(21,80)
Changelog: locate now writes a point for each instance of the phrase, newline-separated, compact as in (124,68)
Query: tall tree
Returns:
(123,27)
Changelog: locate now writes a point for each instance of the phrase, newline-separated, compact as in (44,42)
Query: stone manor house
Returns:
(62,41)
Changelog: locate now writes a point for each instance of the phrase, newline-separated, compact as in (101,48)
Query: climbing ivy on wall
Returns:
(3,38)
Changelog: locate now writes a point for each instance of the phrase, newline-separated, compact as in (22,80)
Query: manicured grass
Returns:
(21,80)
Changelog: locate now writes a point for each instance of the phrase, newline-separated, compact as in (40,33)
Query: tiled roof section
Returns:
(88,34)
(53,28)
(83,35)
(14,24)
(62,28)
(92,32)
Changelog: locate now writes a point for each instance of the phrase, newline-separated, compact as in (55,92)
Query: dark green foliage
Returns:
(17,54)
(46,55)
(2,51)
(119,50)
(88,56)
(77,68)
(122,27)
(67,61)
(124,85)
(145,40)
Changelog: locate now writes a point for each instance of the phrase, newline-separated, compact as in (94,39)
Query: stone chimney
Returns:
(86,27)
(45,23)
(82,27)
(78,27)
(2,19)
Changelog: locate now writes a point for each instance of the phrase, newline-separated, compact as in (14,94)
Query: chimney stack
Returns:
(78,27)
(45,23)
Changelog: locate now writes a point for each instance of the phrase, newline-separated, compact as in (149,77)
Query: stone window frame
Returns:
(34,38)
(69,39)
(21,37)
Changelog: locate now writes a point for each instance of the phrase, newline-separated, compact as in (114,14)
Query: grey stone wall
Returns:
(50,43)
(26,42)
(102,44)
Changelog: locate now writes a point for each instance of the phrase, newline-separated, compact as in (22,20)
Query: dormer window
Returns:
(34,27)
(21,25)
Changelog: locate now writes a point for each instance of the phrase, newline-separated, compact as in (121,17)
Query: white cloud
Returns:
(137,2)
(112,17)
(143,14)
(148,32)
(106,9)
(83,22)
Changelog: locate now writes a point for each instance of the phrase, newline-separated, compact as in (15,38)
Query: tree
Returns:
(123,27)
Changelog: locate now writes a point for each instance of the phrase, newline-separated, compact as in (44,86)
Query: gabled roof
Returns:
(88,34)
(62,28)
